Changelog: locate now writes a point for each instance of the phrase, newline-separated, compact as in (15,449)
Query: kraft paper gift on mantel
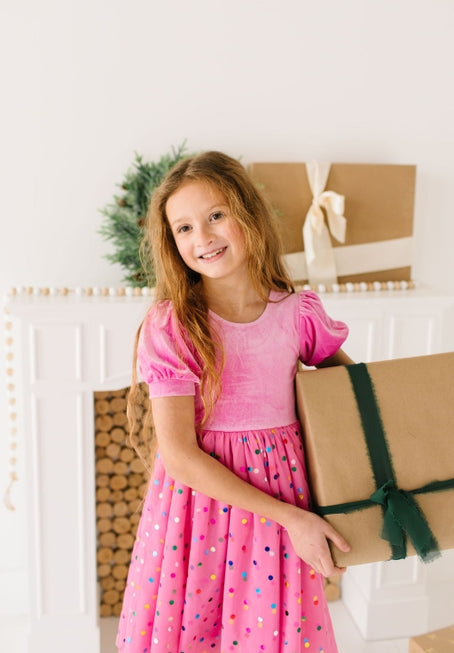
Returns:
(357,219)
(379,442)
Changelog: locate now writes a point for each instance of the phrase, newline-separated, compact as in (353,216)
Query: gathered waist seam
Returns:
(293,424)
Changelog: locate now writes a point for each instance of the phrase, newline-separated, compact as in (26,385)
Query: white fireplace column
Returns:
(67,347)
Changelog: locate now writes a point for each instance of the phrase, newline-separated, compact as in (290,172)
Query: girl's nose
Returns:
(205,236)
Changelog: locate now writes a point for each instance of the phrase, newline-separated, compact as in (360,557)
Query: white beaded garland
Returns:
(12,411)
(130,291)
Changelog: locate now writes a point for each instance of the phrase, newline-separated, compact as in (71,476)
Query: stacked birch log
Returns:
(121,482)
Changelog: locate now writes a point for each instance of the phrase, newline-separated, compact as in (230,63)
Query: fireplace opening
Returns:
(121,483)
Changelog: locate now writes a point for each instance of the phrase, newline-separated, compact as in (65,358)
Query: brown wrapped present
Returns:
(438,641)
(372,242)
(380,453)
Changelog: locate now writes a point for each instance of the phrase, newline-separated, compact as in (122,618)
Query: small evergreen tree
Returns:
(124,220)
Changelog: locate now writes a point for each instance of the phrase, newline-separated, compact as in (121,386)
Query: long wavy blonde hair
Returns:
(177,282)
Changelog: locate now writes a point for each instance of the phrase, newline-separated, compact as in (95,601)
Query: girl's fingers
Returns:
(329,568)
(311,543)
(337,539)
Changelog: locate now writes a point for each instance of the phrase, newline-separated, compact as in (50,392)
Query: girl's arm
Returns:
(187,463)
(339,358)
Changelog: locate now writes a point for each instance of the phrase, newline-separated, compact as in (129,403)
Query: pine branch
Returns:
(123,223)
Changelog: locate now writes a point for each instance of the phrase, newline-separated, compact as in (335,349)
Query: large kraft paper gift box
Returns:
(369,207)
(437,641)
(379,442)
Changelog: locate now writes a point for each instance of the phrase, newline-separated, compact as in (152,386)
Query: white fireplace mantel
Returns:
(68,346)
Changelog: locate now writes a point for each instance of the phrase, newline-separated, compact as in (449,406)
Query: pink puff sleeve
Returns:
(320,336)
(166,361)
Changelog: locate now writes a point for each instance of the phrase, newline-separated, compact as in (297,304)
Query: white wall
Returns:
(86,84)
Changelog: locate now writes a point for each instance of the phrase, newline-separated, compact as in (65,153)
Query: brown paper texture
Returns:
(379,205)
(416,401)
(438,641)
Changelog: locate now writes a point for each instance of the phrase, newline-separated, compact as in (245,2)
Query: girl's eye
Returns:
(183,229)
(217,215)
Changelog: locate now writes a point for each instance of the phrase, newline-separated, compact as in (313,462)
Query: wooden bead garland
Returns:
(11,407)
(348,287)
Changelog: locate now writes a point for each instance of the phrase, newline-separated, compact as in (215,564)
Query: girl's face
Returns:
(209,239)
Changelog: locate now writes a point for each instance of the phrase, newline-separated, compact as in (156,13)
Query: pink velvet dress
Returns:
(207,577)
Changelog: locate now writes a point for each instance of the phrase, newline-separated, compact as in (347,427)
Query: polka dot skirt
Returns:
(206,577)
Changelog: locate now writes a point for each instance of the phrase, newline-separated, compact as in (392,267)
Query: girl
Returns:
(228,556)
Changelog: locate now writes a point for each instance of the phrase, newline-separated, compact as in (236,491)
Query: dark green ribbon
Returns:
(402,516)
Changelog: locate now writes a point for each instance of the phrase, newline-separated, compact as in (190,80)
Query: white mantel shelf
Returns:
(66,346)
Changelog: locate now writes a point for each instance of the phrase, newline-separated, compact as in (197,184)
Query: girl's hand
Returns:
(309,535)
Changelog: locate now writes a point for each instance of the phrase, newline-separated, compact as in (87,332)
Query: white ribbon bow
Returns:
(320,261)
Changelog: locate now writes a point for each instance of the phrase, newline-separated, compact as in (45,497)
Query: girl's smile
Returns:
(212,255)
(209,239)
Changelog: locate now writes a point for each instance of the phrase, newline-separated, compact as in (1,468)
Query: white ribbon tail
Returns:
(334,206)
(319,250)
